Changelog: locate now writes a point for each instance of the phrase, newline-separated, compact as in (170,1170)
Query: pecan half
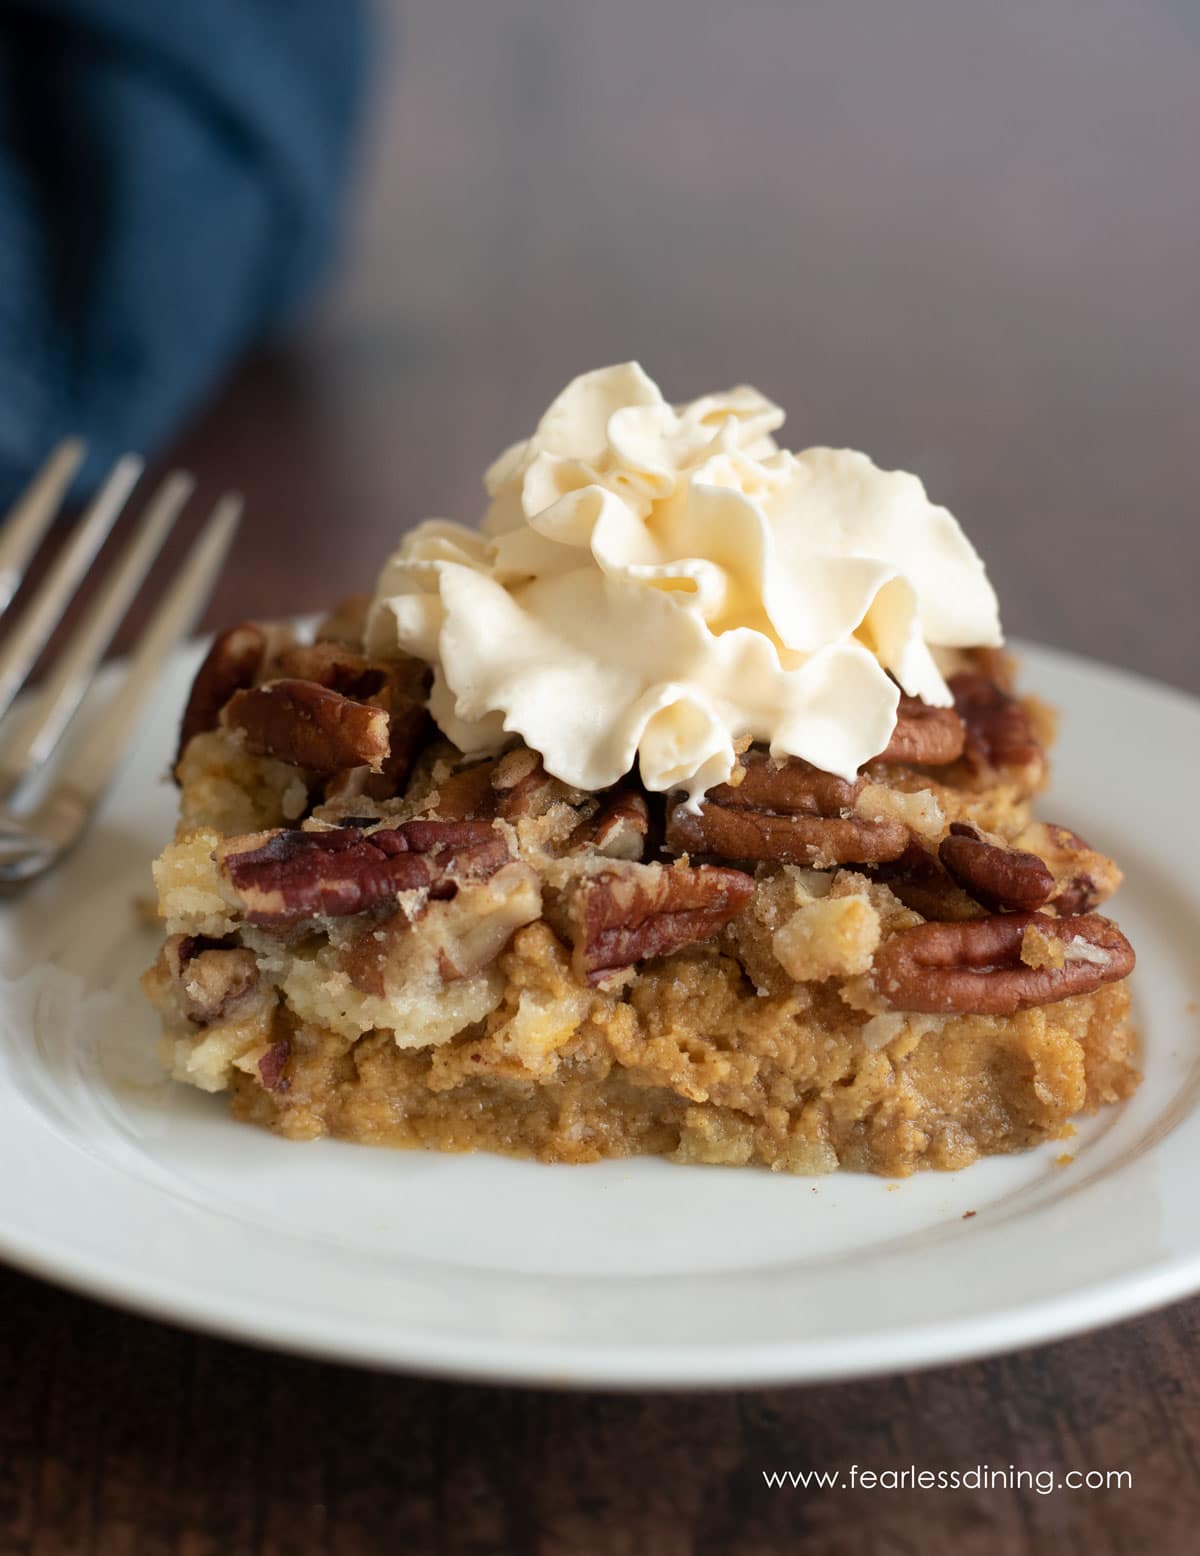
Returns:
(974,967)
(287,877)
(621,915)
(996,876)
(213,977)
(924,736)
(787,811)
(398,686)
(998,729)
(231,664)
(757,835)
(785,786)
(310,726)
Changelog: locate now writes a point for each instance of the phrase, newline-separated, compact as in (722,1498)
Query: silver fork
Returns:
(40,822)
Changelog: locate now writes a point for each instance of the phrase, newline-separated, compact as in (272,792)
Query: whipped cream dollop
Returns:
(654,583)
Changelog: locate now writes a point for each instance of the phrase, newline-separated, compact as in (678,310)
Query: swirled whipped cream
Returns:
(654,583)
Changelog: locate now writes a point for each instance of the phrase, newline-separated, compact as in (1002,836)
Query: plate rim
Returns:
(547,1362)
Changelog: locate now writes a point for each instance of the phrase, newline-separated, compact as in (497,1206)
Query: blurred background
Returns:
(964,237)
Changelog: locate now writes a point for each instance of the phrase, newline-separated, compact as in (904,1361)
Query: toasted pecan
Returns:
(212,977)
(310,726)
(999,732)
(617,829)
(818,841)
(786,811)
(398,686)
(622,914)
(514,787)
(334,666)
(273,1064)
(997,876)
(288,877)
(924,736)
(785,786)
(467,793)
(1083,876)
(516,769)
(409,726)
(974,967)
(521,785)
(231,664)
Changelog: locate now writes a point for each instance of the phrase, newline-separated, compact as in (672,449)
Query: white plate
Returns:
(625,1273)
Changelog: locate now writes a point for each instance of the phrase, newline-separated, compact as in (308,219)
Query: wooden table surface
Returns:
(964,238)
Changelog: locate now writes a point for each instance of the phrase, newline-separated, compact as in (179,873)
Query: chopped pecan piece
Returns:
(287,877)
(212,977)
(310,726)
(409,725)
(513,786)
(515,769)
(231,664)
(334,666)
(467,793)
(272,1065)
(997,876)
(786,811)
(1083,876)
(403,679)
(522,786)
(617,829)
(974,967)
(924,736)
(998,729)
(452,938)
(623,914)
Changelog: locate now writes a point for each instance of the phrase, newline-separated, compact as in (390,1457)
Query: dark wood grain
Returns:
(123,1436)
(966,238)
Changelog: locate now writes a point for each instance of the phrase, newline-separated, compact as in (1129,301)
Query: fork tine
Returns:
(67,683)
(33,513)
(91,766)
(42,615)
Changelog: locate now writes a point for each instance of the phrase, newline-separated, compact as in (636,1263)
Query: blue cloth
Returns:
(170,173)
